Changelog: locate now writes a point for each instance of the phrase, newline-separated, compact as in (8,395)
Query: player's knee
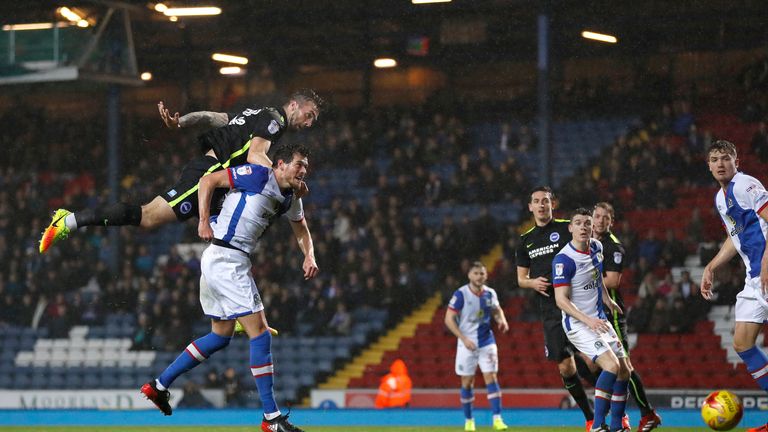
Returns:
(567,367)
(741,346)
(612,367)
(623,372)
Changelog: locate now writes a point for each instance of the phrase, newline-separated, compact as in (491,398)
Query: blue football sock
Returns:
(618,403)
(467,397)
(757,365)
(262,371)
(195,354)
(603,391)
(494,397)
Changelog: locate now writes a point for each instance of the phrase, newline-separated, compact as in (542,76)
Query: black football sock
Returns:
(574,387)
(638,392)
(112,215)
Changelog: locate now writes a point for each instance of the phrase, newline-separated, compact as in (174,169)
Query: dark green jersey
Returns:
(231,142)
(538,246)
(613,253)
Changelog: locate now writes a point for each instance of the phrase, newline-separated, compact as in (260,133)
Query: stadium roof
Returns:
(347,34)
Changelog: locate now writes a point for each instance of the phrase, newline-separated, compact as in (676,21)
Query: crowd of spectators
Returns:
(373,253)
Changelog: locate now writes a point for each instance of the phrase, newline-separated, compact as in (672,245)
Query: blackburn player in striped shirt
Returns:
(613,265)
(577,275)
(228,293)
(468,317)
(742,203)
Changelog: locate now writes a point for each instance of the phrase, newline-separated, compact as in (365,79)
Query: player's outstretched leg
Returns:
(57,230)
(195,353)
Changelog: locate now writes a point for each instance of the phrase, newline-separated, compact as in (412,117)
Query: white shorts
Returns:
(467,361)
(591,343)
(227,289)
(751,306)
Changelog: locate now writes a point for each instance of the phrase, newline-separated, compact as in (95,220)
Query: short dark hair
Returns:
(722,146)
(581,211)
(477,264)
(308,95)
(285,152)
(605,206)
(546,189)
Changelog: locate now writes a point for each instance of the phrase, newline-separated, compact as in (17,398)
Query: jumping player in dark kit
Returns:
(245,139)
(538,246)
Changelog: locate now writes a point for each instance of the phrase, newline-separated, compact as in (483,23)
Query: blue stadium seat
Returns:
(91,381)
(22,381)
(6,381)
(72,381)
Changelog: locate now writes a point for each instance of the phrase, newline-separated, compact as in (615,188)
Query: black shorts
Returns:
(182,197)
(557,347)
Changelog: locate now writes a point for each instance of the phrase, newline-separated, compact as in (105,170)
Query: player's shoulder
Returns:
(277,115)
(529,231)
(745,183)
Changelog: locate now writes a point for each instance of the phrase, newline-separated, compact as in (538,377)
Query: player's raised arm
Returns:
(257,152)
(204,119)
(727,251)
(219,179)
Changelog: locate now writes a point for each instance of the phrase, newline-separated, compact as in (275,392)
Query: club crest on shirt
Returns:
(554,237)
(244,170)
(617,257)
(273,127)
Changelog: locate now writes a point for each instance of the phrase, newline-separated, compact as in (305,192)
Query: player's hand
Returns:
(171,121)
(204,230)
(503,326)
(469,344)
(598,325)
(302,191)
(541,284)
(706,283)
(310,268)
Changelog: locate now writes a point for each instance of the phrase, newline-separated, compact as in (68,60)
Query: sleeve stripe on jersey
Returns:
(762,207)
(453,309)
(298,220)
(561,285)
(229,175)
